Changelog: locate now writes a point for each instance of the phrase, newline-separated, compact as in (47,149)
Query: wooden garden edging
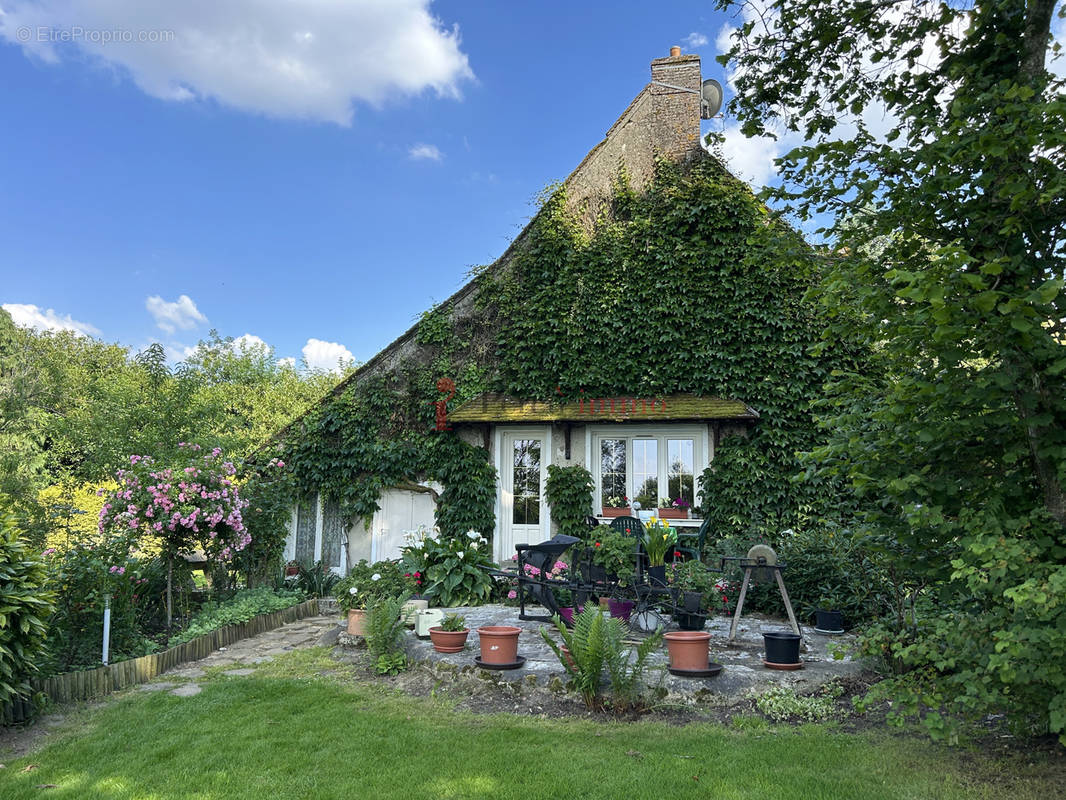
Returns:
(97,682)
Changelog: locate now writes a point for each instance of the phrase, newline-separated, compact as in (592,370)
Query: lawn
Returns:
(290,732)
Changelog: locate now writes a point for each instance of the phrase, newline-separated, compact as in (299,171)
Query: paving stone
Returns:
(188,690)
(188,672)
(239,673)
(262,659)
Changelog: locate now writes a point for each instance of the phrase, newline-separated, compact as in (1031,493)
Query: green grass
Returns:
(289,732)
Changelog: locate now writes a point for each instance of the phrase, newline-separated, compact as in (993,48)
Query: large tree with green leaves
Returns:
(935,145)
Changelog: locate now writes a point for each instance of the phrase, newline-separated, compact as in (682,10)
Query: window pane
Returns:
(332,533)
(646,472)
(305,529)
(526,482)
(613,472)
(680,469)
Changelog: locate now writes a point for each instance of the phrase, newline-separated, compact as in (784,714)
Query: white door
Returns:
(400,511)
(524,459)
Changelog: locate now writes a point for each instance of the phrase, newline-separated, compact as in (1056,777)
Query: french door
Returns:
(523,457)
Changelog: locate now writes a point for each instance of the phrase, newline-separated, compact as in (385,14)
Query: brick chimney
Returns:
(676,112)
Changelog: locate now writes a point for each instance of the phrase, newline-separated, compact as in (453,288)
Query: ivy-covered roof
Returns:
(495,407)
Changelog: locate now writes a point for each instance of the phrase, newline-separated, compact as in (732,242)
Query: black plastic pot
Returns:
(657,575)
(689,622)
(782,647)
(829,621)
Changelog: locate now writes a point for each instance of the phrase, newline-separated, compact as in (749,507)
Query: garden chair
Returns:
(691,544)
(537,588)
(630,526)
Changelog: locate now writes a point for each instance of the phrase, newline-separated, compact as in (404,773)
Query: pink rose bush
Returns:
(194,504)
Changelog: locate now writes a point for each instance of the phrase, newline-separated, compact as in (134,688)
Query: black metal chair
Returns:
(537,588)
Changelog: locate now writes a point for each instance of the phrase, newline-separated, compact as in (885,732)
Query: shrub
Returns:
(384,632)
(569,493)
(241,608)
(372,582)
(83,577)
(316,580)
(597,645)
(457,570)
(25,605)
(781,703)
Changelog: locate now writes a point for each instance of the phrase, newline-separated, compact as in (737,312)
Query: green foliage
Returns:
(384,634)
(782,704)
(456,571)
(316,580)
(597,646)
(569,493)
(240,608)
(659,538)
(25,605)
(616,553)
(453,623)
(372,583)
(948,234)
(692,576)
(269,492)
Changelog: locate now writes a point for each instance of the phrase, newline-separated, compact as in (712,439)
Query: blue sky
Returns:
(294,172)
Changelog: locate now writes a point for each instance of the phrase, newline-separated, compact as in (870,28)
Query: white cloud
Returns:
(27,315)
(752,159)
(182,313)
(248,343)
(289,362)
(695,40)
(425,151)
(306,60)
(327,356)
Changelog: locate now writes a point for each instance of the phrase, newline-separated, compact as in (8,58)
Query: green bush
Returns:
(242,607)
(25,605)
(569,493)
(82,578)
(384,631)
(597,645)
(456,570)
(373,582)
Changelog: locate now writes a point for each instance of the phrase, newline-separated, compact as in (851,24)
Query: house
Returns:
(648,324)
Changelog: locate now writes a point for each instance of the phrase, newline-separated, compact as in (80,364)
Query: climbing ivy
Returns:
(569,493)
(688,287)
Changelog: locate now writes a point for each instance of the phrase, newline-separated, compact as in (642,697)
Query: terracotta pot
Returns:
(568,657)
(448,641)
(672,513)
(499,644)
(357,621)
(609,511)
(689,650)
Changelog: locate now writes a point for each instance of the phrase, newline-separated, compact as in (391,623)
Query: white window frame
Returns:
(290,540)
(702,451)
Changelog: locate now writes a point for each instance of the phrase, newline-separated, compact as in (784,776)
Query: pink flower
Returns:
(511,595)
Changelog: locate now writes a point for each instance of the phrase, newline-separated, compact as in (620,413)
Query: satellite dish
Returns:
(710,98)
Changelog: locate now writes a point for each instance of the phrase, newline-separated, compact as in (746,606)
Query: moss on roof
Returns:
(492,407)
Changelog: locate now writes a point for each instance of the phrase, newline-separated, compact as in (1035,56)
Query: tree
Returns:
(936,145)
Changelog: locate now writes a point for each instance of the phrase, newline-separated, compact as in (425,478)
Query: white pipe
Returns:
(107,627)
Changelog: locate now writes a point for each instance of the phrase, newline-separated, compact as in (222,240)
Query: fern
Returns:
(384,628)
(597,644)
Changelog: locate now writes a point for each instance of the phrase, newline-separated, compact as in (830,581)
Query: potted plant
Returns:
(450,635)
(659,539)
(674,509)
(694,585)
(353,603)
(614,554)
(616,506)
